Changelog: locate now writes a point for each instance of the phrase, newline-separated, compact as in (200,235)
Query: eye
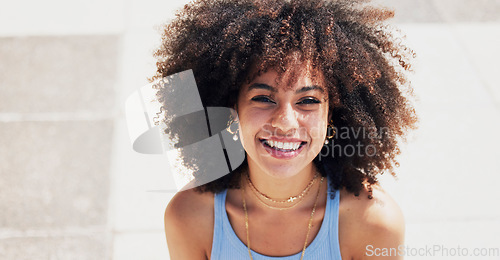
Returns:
(308,101)
(263,99)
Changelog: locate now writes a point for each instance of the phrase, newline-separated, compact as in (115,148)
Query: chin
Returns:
(282,167)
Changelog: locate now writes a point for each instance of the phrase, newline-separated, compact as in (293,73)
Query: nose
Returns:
(285,119)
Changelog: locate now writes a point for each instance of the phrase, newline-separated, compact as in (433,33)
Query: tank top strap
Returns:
(219,213)
(333,211)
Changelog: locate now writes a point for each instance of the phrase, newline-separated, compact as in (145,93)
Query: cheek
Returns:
(318,135)
(251,124)
(316,127)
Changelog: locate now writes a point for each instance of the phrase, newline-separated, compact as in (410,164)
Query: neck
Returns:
(277,186)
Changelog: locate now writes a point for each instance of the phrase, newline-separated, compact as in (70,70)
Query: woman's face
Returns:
(283,126)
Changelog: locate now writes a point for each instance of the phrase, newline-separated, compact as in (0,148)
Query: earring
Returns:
(330,132)
(234,133)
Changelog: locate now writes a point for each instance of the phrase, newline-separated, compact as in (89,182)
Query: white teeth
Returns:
(284,146)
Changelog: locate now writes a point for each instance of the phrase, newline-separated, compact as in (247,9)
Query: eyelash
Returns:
(310,101)
(305,101)
(263,99)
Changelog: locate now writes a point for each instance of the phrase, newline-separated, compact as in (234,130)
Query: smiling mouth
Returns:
(282,146)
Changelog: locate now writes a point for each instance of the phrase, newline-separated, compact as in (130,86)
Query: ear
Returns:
(234,111)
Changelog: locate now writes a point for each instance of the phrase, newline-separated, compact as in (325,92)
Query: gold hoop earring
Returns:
(330,132)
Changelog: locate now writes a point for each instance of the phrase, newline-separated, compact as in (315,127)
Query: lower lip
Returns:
(282,154)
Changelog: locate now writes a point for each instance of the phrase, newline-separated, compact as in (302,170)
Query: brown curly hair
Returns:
(362,61)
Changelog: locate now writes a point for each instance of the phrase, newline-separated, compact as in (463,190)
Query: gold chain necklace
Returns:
(290,199)
(308,226)
(300,197)
(273,207)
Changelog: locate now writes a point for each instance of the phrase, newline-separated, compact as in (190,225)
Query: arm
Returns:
(188,226)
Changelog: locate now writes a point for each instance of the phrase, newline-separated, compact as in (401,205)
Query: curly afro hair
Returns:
(228,42)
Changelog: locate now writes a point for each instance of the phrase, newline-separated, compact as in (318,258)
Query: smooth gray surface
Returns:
(414,11)
(469,11)
(58,74)
(438,11)
(91,247)
(54,174)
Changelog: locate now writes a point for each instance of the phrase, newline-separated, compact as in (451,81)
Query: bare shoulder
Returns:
(379,212)
(189,220)
(368,224)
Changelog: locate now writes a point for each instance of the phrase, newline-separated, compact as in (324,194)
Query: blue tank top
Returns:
(227,246)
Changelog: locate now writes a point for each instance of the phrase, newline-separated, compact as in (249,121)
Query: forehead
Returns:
(294,76)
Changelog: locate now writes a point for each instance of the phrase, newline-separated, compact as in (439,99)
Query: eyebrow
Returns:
(261,86)
(310,88)
(272,89)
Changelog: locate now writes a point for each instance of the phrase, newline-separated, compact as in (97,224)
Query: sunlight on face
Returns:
(282,125)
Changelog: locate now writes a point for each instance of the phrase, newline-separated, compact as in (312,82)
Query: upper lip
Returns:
(283,139)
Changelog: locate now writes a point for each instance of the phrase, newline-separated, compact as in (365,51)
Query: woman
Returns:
(319,93)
